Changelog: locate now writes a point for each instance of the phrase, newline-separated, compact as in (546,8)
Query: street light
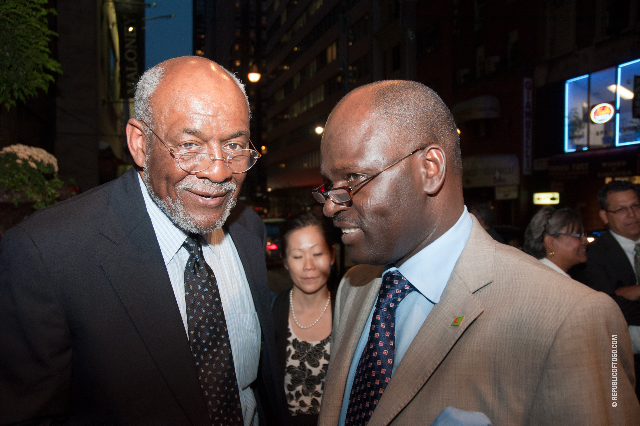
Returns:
(254,75)
(319,130)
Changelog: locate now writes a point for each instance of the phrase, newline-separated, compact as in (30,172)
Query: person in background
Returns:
(303,315)
(613,263)
(556,238)
(486,218)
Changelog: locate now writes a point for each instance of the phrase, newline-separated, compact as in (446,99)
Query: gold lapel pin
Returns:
(457,320)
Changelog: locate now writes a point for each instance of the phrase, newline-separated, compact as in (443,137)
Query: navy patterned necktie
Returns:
(209,339)
(376,362)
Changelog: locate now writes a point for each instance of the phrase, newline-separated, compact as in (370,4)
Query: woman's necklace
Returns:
(293,313)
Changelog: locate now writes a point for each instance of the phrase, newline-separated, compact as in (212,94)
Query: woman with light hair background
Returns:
(556,238)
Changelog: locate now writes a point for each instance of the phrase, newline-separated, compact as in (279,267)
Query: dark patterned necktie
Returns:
(209,339)
(376,362)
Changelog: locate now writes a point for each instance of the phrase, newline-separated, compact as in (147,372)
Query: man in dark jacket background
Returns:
(612,260)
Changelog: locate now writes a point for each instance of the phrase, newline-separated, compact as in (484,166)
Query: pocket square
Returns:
(452,416)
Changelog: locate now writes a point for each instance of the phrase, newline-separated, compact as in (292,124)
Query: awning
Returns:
(601,163)
(490,170)
(476,108)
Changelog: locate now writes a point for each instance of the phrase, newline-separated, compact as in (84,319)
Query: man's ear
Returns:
(136,141)
(434,167)
(603,217)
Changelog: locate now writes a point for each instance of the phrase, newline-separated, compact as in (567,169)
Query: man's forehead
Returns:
(622,197)
(199,100)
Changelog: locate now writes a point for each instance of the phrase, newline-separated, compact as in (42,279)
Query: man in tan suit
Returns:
(448,317)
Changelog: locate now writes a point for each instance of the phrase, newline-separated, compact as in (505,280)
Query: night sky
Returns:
(168,37)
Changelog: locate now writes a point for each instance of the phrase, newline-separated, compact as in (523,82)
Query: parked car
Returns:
(273,248)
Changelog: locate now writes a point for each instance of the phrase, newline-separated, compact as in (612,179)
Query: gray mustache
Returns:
(208,186)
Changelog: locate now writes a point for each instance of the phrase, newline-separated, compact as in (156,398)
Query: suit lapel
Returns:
(473,270)
(136,270)
(618,259)
(347,331)
(429,348)
(250,249)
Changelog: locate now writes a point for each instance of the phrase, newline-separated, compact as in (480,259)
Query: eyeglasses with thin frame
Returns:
(582,235)
(344,194)
(634,208)
(193,158)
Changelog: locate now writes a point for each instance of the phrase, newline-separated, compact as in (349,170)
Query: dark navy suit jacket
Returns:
(607,269)
(90,332)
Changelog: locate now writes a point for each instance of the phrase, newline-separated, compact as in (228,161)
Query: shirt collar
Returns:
(553,266)
(429,269)
(626,243)
(170,238)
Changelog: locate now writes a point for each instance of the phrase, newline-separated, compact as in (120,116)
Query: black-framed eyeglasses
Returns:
(344,194)
(194,158)
(582,235)
(634,208)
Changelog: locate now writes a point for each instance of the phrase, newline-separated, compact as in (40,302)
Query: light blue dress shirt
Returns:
(428,271)
(240,314)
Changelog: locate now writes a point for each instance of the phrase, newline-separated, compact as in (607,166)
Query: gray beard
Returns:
(175,209)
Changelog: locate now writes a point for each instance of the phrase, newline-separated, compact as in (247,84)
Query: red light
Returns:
(272,247)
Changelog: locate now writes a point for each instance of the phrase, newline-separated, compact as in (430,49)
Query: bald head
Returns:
(182,66)
(394,146)
(413,112)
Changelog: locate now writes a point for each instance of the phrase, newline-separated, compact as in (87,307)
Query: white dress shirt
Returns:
(240,314)
(628,246)
(553,266)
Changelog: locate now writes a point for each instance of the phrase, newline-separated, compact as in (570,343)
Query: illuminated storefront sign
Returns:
(602,109)
(602,113)
(130,16)
(546,198)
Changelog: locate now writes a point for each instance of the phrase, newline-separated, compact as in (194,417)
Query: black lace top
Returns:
(306,370)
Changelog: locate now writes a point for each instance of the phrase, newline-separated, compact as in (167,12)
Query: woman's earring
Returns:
(551,253)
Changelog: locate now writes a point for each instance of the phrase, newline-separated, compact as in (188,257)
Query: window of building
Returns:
(478,14)
(628,103)
(427,41)
(306,102)
(560,37)
(310,10)
(480,65)
(360,69)
(601,109)
(360,29)
(616,16)
(332,52)
(296,81)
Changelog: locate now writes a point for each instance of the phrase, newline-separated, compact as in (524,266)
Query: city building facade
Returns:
(507,69)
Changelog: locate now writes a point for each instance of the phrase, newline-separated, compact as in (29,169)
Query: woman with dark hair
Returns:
(303,316)
(556,238)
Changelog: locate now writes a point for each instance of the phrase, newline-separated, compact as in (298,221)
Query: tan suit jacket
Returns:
(534,348)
